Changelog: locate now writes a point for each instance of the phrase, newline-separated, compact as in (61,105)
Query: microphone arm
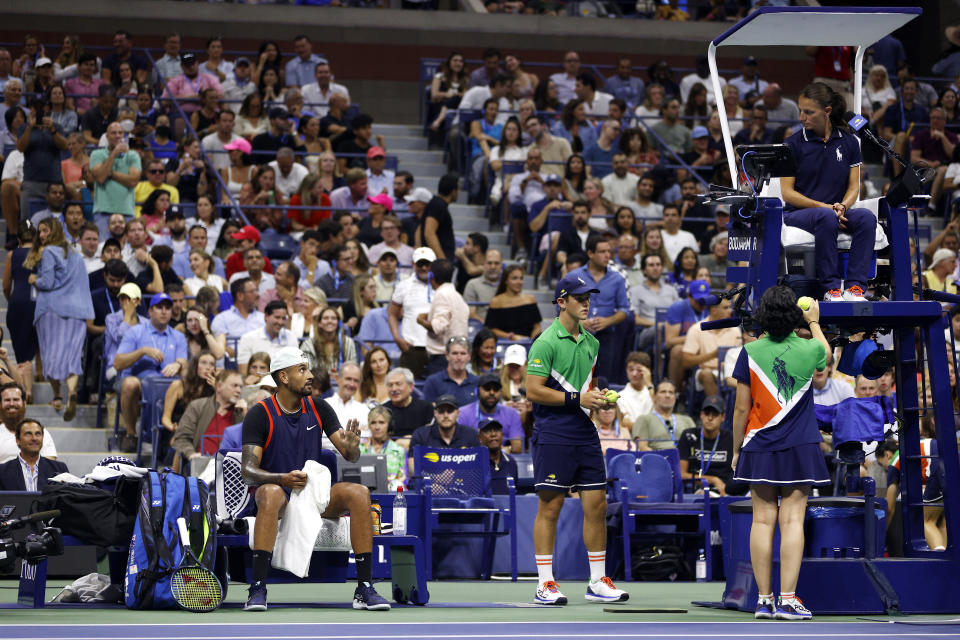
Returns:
(858,125)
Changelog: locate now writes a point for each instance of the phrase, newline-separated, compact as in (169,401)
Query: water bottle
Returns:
(400,514)
(701,566)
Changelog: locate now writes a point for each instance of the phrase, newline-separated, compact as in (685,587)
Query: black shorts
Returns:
(562,467)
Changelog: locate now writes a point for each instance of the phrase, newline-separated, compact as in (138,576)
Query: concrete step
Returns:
(407,157)
(405,143)
(82,463)
(426,174)
(70,439)
(407,130)
(48,416)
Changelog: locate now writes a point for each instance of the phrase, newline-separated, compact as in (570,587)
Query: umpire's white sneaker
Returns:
(603,590)
(549,593)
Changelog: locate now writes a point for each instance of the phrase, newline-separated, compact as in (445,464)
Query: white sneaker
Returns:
(549,593)
(854,294)
(833,295)
(603,590)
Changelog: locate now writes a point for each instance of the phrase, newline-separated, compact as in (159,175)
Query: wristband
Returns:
(571,398)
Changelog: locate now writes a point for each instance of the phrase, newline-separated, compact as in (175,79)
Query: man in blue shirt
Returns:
(243,316)
(300,71)
(502,466)
(622,85)
(900,120)
(599,155)
(148,349)
(454,379)
(488,407)
(608,309)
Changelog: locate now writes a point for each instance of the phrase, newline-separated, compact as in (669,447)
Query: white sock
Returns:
(765,598)
(788,598)
(544,567)
(598,564)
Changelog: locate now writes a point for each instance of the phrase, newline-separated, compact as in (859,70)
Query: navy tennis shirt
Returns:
(823,168)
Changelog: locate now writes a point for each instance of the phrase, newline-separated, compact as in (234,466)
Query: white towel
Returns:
(301,522)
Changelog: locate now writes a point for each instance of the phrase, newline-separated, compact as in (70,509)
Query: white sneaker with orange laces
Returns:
(833,295)
(549,593)
(854,294)
(603,590)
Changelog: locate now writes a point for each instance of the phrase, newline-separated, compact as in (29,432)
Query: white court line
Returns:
(539,636)
(99,625)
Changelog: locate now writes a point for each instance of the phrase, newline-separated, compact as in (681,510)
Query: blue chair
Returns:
(228,361)
(456,482)
(153,390)
(279,246)
(639,493)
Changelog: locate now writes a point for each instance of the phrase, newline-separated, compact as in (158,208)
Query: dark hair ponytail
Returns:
(824,96)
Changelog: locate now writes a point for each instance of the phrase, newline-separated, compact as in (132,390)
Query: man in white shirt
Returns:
(89,247)
(748,80)
(243,316)
(644,206)
(598,102)
(253,263)
(289,174)
(448,316)
(675,238)
(780,111)
(343,402)
(620,187)
(379,179)
(827,390)
(484,287)
(636,399)
(269,338)
(213,143)
(13,408)
(474,98)
(526,188)
(567,80)
(410,299)
(700,75)
(238,85)
(169,65)
(390,228)
(316,95)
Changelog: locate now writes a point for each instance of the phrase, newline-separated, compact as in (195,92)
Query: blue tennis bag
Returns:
(155,548)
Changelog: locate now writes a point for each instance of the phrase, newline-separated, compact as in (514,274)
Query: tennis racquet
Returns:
(194,587)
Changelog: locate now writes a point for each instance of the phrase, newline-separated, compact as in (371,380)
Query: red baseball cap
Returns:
(375,152)
(249,232)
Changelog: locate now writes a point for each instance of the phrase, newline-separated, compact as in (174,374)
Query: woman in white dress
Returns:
(201,264)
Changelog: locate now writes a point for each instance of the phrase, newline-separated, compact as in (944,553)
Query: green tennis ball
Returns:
(611,396)
(805,302)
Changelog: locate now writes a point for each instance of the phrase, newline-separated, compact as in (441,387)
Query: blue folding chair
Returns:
(646,490)
(456,482)
(153,390)
(279,246)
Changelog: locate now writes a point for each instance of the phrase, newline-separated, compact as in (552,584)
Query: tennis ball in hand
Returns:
(805,302)
(611,396)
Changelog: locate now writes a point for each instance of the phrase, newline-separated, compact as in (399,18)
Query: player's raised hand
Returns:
(351,433)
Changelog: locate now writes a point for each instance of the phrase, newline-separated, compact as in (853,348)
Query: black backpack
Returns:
(658,563)
(99,516)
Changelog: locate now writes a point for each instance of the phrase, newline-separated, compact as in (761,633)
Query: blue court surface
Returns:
(500,630)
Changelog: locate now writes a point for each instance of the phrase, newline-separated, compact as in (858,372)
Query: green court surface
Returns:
(444,596)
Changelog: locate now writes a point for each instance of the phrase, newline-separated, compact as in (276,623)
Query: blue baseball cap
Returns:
(571,285)
(699,132)
(698,290)
(158,298)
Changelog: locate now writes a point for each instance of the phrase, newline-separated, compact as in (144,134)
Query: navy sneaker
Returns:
(366,597)
(257,598)
(765,610)
(792,611)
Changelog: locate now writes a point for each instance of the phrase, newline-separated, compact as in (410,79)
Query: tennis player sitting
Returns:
(279,435)
(567,455)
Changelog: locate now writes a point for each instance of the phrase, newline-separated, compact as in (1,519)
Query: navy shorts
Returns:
(562,467)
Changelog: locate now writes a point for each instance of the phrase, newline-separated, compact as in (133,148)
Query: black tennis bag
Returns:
(155,547)
(101,516)
(664,562)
